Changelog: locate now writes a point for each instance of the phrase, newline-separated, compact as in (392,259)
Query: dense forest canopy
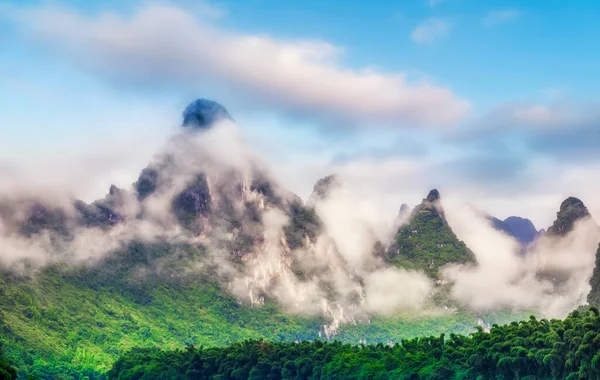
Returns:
(532,349)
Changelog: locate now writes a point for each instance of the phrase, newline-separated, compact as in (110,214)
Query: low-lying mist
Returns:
(337,272)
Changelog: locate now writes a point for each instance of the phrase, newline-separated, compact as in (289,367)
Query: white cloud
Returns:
(538,115)
(504,278)
(167,46)
(558,114)
(430,30)
(498,17)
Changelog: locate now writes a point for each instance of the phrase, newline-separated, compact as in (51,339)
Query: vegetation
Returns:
(427,242)
(7,371)
(74,323)
(532,349)
(571,210)
(593,297)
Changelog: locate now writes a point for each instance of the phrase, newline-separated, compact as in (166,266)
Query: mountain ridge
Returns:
(197,244)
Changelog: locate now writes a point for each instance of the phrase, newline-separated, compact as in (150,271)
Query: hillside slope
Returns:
(77,323)
(204,248)
(427,242)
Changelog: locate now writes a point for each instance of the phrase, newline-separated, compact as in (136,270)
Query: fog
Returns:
(337,274)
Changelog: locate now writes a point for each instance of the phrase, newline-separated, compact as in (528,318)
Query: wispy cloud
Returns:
(164,45)
(500,16)
(430,30)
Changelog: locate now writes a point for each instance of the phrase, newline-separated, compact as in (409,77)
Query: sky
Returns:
(494,103)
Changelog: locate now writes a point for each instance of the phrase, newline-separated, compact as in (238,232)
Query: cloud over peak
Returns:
(164,45)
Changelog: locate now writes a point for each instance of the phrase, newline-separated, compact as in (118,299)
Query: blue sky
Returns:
(494,102)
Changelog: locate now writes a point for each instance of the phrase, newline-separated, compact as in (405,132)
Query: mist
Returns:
(506,278)
(336,274)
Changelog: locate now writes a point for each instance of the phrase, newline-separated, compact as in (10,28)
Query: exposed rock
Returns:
(147,183)
(203,113)
(193,205)
(324,186)
(571,211)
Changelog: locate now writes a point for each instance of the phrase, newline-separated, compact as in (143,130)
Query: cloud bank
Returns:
(552,278)
(163,45)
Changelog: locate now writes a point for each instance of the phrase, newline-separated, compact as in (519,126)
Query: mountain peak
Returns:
(325,185)
(114,190)
(573,203)
(522,229)
(404,210)
(203,113)
(434,195)
(571,210)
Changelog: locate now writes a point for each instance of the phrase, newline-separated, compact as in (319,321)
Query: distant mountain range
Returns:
(521,229)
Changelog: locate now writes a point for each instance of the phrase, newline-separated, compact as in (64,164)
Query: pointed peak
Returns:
(203,113)
(433,196)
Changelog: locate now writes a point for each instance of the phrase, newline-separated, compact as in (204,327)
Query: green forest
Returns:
(530,349)
(67,324)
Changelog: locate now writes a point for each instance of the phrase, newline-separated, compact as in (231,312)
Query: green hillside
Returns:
(76,322)
(593,297)
(427,242)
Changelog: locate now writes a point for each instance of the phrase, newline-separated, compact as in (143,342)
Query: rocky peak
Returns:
(404,210)
(571,210)
(431,204)
(114,190)
(202,114)
(324,186)
(433,196)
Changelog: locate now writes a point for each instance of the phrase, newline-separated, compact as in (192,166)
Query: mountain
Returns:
(500,225)
(427,242)
(593,297)
(564,253)
(521,229)
(203,113)
(203,249)
(404,211)
(571,211)
(324,187)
